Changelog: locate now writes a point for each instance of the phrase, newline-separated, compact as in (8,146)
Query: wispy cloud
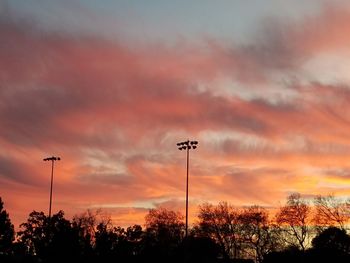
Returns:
(114,114)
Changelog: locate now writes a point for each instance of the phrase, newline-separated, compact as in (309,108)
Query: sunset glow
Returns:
(111,87)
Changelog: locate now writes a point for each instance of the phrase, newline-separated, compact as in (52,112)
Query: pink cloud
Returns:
(114,114)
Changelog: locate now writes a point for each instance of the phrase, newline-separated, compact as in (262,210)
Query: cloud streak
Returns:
(114,114)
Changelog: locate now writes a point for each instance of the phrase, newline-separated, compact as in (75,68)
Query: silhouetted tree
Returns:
(331,245)
(164,232)
(118,243)
(331,211)
(85,225)
(49,239)
(334,239)
(134,236)
(60,231)
(7,233)
(106,240)
(221,223)
(100,240)
(165,225)
(294,221)
(35,235)
(257,232)
(198,249)
(222,234)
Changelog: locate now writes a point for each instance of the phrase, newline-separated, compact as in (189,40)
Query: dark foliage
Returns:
(331,245)
(7,233)
(290,255)
(223,235)
(332,239)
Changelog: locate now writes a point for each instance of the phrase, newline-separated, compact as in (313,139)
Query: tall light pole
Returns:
(187,145)
(52,159)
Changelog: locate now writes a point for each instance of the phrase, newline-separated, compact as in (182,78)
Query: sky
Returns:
(111,86)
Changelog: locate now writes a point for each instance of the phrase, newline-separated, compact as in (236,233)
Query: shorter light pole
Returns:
(187,145)
(52,159)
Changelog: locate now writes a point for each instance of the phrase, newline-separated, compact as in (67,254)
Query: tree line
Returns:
(298,231)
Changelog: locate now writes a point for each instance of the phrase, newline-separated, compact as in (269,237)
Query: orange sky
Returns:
(271,115)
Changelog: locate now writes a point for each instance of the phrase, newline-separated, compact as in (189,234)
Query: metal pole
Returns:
(187,145)
(52,159)
(188,153)
(51,187)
